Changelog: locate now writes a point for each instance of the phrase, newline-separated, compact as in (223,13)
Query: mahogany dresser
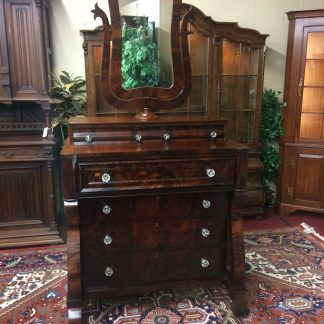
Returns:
(152,205)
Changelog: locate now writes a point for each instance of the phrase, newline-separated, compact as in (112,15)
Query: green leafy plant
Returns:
(69,99)
(140,56)
(270,131)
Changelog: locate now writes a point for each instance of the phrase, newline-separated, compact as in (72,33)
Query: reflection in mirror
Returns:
(146,43)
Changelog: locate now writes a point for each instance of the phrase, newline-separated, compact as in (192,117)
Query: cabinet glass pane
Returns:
(239,59)
(315,46)
(313,100)
(312,104)
(229,93)
(311,125)
(314,73)
(245,127)
(247,93)
(198,49)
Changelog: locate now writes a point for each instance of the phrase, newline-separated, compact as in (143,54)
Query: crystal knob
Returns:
(206,203)
(138,137)
(213,134)
(105,177)
(166,137)
(205,232)
(109,272)
(210,173)
(88,139)
(204,263)
(106,209)
(107,240)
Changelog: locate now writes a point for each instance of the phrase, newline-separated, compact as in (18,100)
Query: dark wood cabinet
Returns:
(302,146)
(29,199)
(30,202)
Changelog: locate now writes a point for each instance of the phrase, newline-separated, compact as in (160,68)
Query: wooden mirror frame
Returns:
(144,100)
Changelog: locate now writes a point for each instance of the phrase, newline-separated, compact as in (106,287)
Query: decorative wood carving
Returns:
(151,98)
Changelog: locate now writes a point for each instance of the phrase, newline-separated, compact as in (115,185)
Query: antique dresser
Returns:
(153,202)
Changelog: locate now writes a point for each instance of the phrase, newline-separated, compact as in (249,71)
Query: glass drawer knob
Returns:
(204,263)
(213,134)
(166,137)
(105,177)
(210,173)
(138,138)
(205,232)
(109,272)
(206,203)
(88,139)
(106,209)
(107,240)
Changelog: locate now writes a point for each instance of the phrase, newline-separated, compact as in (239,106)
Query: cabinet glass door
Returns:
(239,82)
(312,89)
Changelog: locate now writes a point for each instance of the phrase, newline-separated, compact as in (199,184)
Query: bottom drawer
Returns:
(149,267)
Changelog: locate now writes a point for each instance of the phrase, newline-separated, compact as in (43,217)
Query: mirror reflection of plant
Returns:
(140,56)
(270,131)
(69,96)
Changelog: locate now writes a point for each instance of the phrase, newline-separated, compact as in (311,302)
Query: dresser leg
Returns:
(239,307)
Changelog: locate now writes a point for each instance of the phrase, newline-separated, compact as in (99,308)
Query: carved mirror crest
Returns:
(145,100)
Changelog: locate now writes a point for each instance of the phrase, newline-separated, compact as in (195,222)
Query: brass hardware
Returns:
(206,203)
(106,209)
(292,161)
(205,232)
(204,263)
(109,272)
(210,173)
(300,87)
(105,177)
(107,240)
(290,192)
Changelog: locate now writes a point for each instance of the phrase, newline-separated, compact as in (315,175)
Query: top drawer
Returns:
(130,175)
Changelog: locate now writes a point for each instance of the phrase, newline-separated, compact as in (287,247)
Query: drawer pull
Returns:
(109,272)
(204,263)
(166,137)
(210,173)
(106,209)
(107,240)
(205,232)
(213,134)
(138,138)
(206,203)
(88,139)
(105,177)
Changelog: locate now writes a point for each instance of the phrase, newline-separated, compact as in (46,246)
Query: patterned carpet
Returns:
(284,279)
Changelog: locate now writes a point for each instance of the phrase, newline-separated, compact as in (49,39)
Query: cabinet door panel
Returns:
(308,181)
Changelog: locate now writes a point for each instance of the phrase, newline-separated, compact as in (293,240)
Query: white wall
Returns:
(266,16)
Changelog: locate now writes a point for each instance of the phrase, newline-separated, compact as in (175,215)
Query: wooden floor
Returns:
(271,220)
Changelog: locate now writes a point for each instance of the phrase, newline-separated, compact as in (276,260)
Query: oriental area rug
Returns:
(284,280)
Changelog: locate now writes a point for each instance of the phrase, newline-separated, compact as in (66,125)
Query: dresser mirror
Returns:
(145,100)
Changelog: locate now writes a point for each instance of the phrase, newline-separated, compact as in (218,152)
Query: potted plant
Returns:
(69,99)
(270,131)
(140,55)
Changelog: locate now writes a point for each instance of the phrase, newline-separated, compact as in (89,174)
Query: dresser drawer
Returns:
(100,273)
(106,210)
(173,234)
(130,175)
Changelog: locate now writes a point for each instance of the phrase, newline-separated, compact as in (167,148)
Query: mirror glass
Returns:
(146,43)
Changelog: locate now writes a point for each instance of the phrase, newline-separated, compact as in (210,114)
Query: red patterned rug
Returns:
(284,279)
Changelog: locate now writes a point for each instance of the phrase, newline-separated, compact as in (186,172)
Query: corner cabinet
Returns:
(302,147)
